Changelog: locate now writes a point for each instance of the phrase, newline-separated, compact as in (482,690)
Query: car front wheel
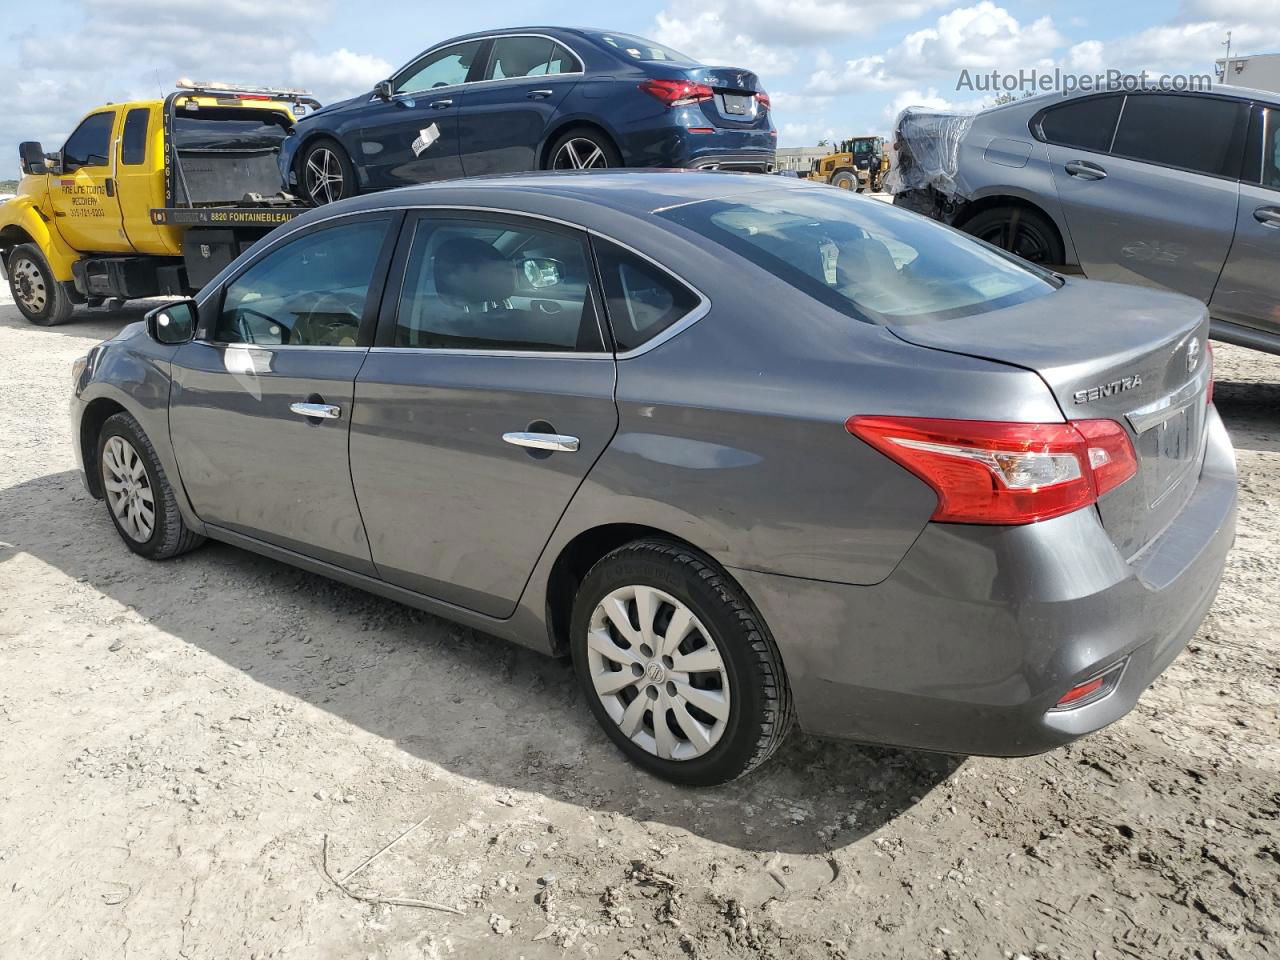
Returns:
(41,299)
(678,668)
(142,503)
(326,173)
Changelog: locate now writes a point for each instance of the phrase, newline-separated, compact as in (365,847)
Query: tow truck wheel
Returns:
(326,173)
(42,299)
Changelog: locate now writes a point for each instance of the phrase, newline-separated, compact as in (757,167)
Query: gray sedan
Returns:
(1177,191)
(749,450)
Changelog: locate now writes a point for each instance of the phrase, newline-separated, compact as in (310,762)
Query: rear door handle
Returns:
(1267,216)
(317,411)
(1085,170)
(441,104)
(543,441)
(539,94)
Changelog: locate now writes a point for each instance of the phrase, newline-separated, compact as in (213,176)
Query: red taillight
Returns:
(1005,473)
(762,98)
(1208,394)
(677,93)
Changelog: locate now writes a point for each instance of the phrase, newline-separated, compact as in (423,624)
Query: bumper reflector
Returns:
(1092,689)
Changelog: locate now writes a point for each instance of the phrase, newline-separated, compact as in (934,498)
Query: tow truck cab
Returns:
(153,198)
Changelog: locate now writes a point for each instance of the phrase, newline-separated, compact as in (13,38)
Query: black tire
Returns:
(169,535)
(1020,230)
(845,180)
(40,298)
(760,712)
(327,156)
(590,141)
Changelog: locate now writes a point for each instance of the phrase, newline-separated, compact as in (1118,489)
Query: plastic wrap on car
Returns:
(925,150)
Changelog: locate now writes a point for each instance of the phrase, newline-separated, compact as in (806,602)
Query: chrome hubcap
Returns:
(28,285)
(129,492)
(658,673)
(324,176)
(579,154)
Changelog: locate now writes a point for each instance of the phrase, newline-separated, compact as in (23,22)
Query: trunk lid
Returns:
(734,105)
(1106,351)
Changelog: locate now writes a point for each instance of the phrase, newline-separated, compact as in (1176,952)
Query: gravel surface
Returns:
(182,742)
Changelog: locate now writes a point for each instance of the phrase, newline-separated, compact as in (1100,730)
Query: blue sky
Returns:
(835,67)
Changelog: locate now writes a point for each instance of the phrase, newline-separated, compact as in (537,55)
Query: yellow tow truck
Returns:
(147,198)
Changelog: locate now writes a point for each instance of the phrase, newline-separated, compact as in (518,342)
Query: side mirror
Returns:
(382,90)
(541,272)
(173,323)
(31,157)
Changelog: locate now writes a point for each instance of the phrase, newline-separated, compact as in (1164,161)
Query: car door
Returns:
(260,405)
(85,206)
(413,137)
(504,119)
(1248,291)
(484,403)
(1158,206)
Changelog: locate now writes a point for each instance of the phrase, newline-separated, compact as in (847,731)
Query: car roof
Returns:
(1218,89)
(584,197)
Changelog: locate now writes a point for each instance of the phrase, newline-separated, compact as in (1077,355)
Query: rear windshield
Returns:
(265,131)
(865,258)
(640,49)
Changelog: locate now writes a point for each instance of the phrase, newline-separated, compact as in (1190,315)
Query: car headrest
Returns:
(473,272)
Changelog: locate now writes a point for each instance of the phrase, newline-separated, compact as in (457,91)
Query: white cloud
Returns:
(342,71)
(983,37)
(707,37)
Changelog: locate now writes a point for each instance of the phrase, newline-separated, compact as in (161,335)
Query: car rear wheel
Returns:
(141,502)
(678,668)
(41,299)
(326,173)
(583,149)
(845,180)
(1027,233)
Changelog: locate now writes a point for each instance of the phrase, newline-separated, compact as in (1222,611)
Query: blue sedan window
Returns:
(863,257)
(528,57)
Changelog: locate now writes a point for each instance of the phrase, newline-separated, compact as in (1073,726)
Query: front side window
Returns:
(866,259)
(309,292)
(1199,134)
(444,68)
(133,146)
(528,57)
(489,285)
(643,300)
(1088,124)
(90,144)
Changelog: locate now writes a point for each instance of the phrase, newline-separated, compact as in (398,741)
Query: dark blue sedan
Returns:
(536,98)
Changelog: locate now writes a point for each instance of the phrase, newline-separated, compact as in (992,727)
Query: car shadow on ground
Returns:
(1251,411)
(475,705)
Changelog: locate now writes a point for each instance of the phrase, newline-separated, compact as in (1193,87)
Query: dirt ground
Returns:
(181,742)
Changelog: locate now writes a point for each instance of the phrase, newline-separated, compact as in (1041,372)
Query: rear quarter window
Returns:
(643,300)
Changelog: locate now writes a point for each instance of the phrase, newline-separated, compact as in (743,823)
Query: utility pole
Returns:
(1226,64)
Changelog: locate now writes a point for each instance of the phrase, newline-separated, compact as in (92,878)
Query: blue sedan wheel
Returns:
(584,149)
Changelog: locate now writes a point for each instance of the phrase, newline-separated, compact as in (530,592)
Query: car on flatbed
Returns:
(147,198)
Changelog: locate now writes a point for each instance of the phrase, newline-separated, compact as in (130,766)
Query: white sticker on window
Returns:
(425,139)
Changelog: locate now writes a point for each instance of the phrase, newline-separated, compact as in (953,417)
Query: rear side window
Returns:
(133,147)
(90,144)
(490,285)
(528,57)
(310,292)
(643,300)
(1200,134)
(1087,124)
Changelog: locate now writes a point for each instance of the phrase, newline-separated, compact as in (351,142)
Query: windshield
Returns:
(639,49)
(864,257)
(210,132)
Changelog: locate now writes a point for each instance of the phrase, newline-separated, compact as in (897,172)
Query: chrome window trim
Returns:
(684,323)
(582,66)
(475,352)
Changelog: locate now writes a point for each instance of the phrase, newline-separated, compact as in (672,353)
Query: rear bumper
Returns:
(966,647)
(747,162)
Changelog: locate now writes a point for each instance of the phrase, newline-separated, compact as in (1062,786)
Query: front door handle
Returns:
(1085,170)
(110,187)
(539,94)
(1267,216)
(317,411)
(441,104)
(543,441)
